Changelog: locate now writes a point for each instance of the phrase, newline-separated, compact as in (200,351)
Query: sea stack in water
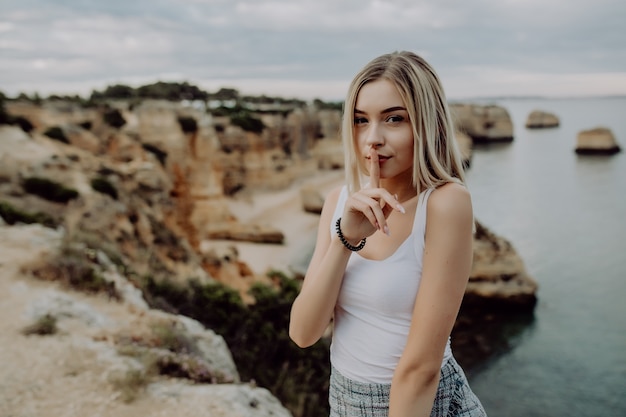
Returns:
(499,280)
(539,119)
(597,141)
(484,124)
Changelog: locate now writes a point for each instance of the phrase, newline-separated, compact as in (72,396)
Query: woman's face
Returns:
(381,121)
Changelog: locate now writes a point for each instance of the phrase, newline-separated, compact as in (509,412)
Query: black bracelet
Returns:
(343,240)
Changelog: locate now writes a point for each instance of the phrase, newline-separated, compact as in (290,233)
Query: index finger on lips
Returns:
(374,169)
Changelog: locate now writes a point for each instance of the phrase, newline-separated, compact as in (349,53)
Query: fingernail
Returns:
(402,210)
(386,230)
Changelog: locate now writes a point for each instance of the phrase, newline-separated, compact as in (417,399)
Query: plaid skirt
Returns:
(454,397)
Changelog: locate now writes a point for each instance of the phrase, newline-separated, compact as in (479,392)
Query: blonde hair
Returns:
(436,157)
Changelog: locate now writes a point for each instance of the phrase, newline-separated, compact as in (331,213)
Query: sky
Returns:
(310,49)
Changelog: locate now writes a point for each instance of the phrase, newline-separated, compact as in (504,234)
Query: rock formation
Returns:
(538,119)
(597,141)
(498,279)
(483,123)
(77,353)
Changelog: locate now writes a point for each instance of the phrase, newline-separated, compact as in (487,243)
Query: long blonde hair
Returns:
(436,157)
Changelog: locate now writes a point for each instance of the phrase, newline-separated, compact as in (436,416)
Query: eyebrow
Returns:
(388,110)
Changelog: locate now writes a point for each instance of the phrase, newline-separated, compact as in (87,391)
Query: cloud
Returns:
(339,16)
(308,46)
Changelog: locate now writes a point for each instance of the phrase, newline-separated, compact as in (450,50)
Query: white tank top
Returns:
(375,305)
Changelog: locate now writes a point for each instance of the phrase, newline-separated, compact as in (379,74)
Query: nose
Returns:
(375,137)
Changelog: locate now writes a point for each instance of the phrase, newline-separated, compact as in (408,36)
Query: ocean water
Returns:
(566,216)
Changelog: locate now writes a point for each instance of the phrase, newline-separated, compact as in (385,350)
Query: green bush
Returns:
(172,91)
(328,105)
(23,123)
(188,124)
(56,133)
(49,190)
(5,118)
(114,118)
(247,122)
(75,269)
(222,110)
(102,185)
(131,384)
(44,326)
(257,336)
(173,338)
(12,215)
(119,91)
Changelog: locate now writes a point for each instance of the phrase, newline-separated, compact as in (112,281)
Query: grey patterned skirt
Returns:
(454,397)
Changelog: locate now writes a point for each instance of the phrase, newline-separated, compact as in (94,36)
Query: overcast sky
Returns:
(312,48)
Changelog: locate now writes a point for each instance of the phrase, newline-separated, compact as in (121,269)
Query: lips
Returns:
(381,158)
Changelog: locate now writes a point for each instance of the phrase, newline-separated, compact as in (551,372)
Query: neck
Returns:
(400,185)
(402,190)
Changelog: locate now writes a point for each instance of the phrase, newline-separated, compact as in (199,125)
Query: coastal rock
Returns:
(83,139)
(223,263)
(597,141)
(51,113)
(538,119)
(224,400)
(483,123)
(498,279)
(101,354)
(312,200)
(248,233)
(329,154)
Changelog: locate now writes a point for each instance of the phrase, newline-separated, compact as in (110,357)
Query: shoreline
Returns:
(282,210)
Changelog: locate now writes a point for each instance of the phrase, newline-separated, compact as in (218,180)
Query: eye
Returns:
(360,120)
(395,119)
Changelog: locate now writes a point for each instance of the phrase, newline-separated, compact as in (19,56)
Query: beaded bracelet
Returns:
(343,240)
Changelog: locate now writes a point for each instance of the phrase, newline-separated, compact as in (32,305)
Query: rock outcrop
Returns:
(597,141)
(538,119)
(498,279)
(65,352)
(483,123)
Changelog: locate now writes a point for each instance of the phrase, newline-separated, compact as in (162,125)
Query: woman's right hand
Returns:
(367,210)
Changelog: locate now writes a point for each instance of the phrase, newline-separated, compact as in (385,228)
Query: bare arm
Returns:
(313,308)
(446,267)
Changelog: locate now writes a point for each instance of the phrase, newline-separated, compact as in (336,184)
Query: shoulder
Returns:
(450,202)
(331,199)
(335,192)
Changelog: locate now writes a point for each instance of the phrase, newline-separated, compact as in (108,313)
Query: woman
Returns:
(393,255)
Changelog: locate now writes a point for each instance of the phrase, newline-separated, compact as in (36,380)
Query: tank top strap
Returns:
(419,223)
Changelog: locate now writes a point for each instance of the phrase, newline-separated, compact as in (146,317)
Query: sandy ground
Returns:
(282,210)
